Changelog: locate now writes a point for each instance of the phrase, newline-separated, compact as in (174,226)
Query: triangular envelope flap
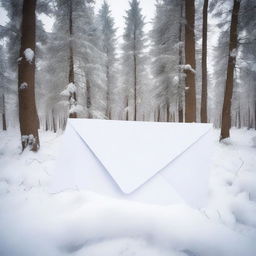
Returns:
(133,152)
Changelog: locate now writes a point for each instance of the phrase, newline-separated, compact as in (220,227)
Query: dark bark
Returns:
(71,75)
(190,92)
(135,76)
(88,98)
(4,115)
(226,110)
(54,122)
(108,109)
(29,122)
(204,65)
(180,99)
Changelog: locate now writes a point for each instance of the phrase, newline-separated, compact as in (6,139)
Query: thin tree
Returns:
(108,37)
(71,73)
(133,58)
(226,110)
(28,118)
(181,85)
(190,92)
(204,64)
(3,114)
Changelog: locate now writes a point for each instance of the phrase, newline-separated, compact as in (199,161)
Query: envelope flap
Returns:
(133,152)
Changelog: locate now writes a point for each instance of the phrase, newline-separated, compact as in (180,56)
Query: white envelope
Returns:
(150,162)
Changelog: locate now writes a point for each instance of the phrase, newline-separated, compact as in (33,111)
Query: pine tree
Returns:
(133,59)
(108,37)
(167,61)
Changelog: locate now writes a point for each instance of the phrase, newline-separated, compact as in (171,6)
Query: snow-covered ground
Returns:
(81,223)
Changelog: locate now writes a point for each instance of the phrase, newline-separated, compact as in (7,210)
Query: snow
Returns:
(233,53)
(29,55)
(23,86)
(76,109)
(187,67)
(71,88)
(78,222)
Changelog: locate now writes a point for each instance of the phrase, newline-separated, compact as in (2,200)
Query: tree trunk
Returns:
(54,122)
(135,87)
(135,75)
(28,118)
(4,116)
(88,98)
(180,99)
(190,92)
(204,65)
(108,109)
(71,75)
(226,115)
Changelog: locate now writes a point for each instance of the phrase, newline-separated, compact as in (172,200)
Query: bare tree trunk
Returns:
(204,65)
(135,86)
(226,110)
(54,122)
(4,116)
(88,98)
(71,75)
(108,109)
(29,122)
(135,75)
(180,99)
(190,92)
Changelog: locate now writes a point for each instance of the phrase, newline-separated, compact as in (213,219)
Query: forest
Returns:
(82,70)
(127,127)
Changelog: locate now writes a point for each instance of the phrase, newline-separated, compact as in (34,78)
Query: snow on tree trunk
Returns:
(226,110)
(71,75)
(28,118)
(190,92)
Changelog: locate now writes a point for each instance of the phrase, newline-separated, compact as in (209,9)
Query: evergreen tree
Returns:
(108,37)
(133,59)
(167,61)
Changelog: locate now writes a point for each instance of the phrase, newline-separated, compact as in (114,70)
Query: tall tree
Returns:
(108,35)
(190,89)
(29,122)
(3,86)
(166,51)
(71,72)
(133,59)
(204,64)
(226,110)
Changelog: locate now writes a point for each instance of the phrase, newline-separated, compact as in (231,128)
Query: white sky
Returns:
(119,7)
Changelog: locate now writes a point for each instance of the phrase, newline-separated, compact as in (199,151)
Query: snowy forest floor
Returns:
(81,223)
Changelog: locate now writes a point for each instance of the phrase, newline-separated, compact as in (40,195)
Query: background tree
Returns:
(133,58)
(226,110)
(29,122)
(167,67)
(108,36)
(190,63)
(203,111)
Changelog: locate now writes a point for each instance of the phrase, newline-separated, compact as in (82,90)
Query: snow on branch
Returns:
(71,88)
(187,67)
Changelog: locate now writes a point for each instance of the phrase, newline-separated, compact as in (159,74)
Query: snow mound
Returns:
(81,223)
